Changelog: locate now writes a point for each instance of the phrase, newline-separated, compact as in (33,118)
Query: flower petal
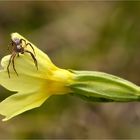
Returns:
(21,83)
(24,64)
(19,103)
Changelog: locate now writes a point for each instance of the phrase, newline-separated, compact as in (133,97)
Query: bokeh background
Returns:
(101,36)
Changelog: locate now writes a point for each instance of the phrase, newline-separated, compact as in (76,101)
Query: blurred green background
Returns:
(101,36)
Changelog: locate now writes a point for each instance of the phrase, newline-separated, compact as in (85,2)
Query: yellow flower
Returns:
(33,86)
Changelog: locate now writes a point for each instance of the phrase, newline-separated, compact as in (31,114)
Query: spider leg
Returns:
(13,63)
(11,57)
(27,45)
(31,47)
(33,57)
(22,40)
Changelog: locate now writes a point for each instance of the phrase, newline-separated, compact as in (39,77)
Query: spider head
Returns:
(16,41)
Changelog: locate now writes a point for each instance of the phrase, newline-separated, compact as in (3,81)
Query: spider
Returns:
(19,49)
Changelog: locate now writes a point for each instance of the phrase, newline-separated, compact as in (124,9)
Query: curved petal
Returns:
(19,103)
(21,83)
(24,64)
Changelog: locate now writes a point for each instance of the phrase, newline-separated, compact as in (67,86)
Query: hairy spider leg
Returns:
(12,57)
(22,40)
(13,62)
(9,65)
(33,57)
(27,45)
(31,47)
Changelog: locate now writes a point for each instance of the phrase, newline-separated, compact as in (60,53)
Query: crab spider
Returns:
(18,48)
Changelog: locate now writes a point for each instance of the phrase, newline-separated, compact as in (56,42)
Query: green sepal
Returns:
(103,87)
